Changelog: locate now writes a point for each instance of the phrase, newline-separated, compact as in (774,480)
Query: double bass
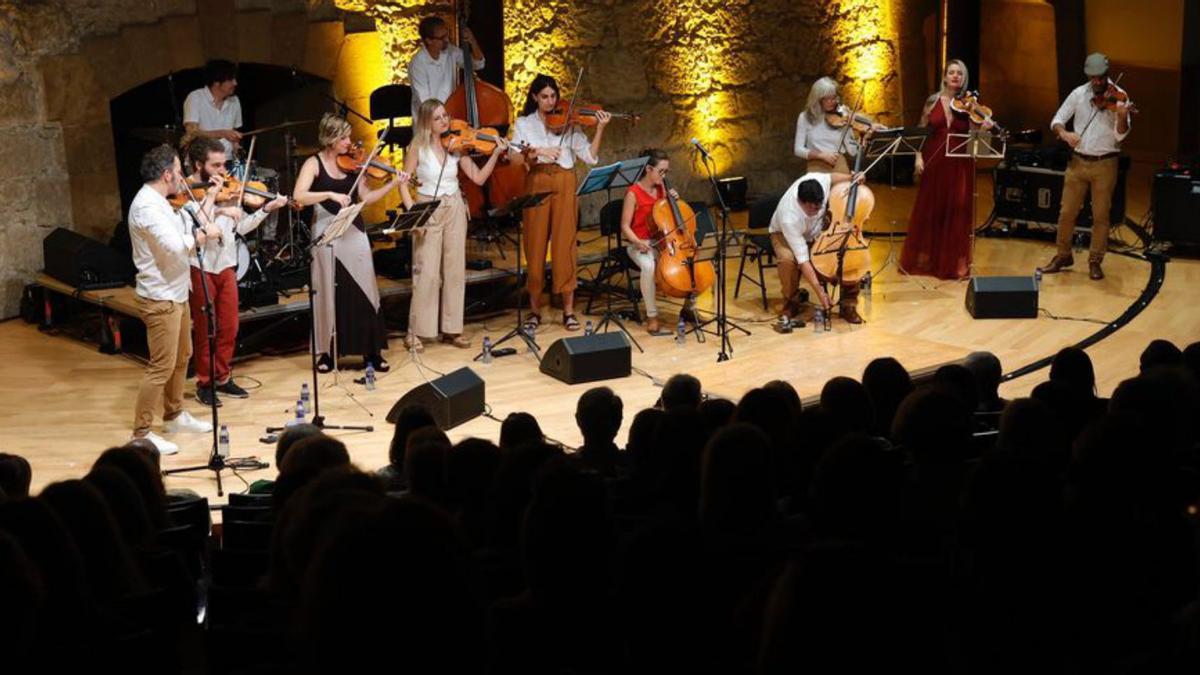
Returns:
(483,104)
(677,272)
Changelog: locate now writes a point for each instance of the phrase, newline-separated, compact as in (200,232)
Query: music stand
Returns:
(518,205)
(411,220)
(977,144)
(897,142)
(608,178)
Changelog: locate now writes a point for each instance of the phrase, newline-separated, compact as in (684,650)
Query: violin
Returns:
(461,138)
(841,116)
(581,114)
(677,273)
(1113,95)
(967,103)
(255,194)
(352,162)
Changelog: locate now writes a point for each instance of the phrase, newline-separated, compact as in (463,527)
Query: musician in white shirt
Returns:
(213,111)
(1096,145)
(162,240)
(552,224)
(206,158)
(433,71)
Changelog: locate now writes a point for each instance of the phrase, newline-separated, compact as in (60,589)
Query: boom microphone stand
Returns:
(721,316)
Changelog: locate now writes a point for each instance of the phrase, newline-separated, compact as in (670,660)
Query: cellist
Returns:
(796,223)
(638,230)
(433,70)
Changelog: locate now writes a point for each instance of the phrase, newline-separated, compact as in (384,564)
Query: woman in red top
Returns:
(939,230)
(637,227)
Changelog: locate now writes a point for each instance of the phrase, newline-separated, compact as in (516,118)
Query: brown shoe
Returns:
(652,326)
(456,340)
(1058,263)
(850,314)
(1094,271)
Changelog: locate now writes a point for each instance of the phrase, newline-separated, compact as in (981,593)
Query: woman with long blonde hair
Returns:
(440,248)
(822,145)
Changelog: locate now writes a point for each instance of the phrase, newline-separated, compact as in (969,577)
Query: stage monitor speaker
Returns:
(1175,199)
(588,358)
(453,398)
(1002,297)
(79,261)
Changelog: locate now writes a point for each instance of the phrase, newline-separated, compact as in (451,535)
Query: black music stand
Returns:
(518,205)
(415,218)
(895,142)
(608,178)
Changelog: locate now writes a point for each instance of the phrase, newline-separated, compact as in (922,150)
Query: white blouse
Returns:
(436,180)
(530,129)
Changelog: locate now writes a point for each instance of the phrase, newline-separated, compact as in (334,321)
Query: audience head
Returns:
(715,413)
(15,476)
(518,429)
(681,390)
(737,494)
(643,431)
(848,404)
(958,380)
(1073,367)
(986,369)
(111,570)
(306,459)
(425,463)
(290,437)
(888,383)
(470,468)
(123,498)
(934,426)
(1160,353)
(785,388)
(855,489)
(137,465)
(409,419)
(599,413)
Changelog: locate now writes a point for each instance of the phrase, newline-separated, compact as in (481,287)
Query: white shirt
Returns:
(820,137)
(220,255)
(796,226)
(162,241)
(199,107)
(436,181)
(436,78)
(1101,137)
(531,130)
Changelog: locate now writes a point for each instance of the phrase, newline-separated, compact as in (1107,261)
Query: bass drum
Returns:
(243,258)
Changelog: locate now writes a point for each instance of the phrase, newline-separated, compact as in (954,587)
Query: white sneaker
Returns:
(185,422)
(161,444)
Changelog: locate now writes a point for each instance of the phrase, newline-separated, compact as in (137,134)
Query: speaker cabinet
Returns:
(1176,201)
(1033,194)
(79,261)
(453,398)
(1002,298)
(588,358)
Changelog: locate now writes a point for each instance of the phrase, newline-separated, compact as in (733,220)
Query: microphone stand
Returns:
(721,316)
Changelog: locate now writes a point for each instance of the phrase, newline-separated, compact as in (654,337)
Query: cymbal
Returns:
(305,150)
(167,133)
(277,127)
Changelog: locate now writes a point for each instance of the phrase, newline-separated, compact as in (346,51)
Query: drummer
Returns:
(206,158)
(214,111)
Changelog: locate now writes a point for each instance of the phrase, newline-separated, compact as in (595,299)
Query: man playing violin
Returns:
(213,111)
(206,159)
(796,223)
(1096,146)
(433,71)
(162,241)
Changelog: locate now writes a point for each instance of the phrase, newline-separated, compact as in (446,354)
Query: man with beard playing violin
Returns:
(798,220)
(206,159)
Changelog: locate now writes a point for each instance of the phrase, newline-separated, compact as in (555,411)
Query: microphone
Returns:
(696,143)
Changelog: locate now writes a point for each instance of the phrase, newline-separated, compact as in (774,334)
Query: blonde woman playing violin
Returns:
(822,144)
(439,249)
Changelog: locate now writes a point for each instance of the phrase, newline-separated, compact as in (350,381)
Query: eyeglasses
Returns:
(661,172)
(438,38)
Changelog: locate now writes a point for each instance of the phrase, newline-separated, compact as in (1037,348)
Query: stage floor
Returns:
(63,402)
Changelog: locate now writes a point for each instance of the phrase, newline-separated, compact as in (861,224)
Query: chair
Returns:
(247,514)
(250,499)
(757,245)
(616,262)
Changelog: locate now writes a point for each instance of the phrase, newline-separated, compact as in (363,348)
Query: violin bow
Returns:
(850,122)
(246,175)
(574,97)
(1095,110)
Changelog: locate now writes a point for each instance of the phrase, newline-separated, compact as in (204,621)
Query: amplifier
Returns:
(1175,199)
(1033,194)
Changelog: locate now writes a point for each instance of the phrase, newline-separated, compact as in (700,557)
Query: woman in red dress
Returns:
(939,230)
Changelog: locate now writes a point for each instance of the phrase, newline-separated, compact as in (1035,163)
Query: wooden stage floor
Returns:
(63,401)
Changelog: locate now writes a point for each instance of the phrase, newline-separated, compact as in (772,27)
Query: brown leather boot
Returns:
(1094,271)
(1059,263)
(850,314)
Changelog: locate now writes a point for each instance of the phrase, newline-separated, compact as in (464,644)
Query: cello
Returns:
(677,272)
(841,252)
(483,104)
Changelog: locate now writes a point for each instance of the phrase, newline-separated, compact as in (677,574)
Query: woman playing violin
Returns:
(939,229)
(638,229)
(439,250)
(206,158)
(346,294)
(552,155)
(821,134)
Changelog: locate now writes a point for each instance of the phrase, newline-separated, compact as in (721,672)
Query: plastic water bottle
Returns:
(1037,278)
(304,395)
(370,377)
(827,318)
(487,349)
(299,419)
(587,328)
(680,333)
(818,320)
(223,442)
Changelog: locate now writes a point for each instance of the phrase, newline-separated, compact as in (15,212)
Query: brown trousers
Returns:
(553,224)
(789,273)
(1101,177)
(169,340)
(440,264)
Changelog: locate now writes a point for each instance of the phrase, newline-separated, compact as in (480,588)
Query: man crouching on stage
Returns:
(206,159)
(162,242)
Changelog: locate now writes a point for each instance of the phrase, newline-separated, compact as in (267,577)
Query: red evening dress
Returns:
(939,230)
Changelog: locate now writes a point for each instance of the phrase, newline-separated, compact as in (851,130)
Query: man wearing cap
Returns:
(1096,146)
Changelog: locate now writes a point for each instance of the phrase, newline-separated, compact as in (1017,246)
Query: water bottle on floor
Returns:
(304,395)
(299,418)
(587,328)
(370,377)
(223,442)
(818,320)
(1037,278)
(487,349)
(680,333)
